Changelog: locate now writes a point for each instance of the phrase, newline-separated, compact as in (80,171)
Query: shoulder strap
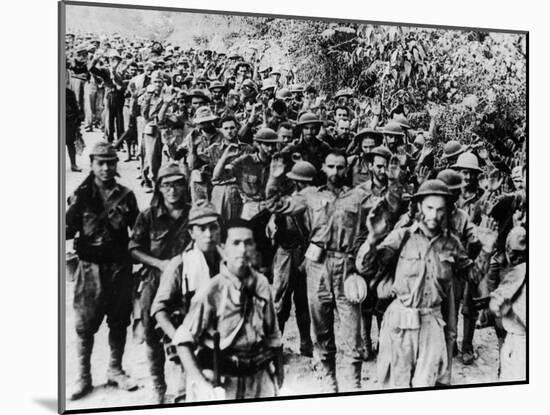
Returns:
(405,239)
(120,198)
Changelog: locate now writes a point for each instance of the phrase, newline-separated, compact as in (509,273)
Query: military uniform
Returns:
(104,276)
(157,234)
(243,314)
(337,228)
(415,348)
(513,353)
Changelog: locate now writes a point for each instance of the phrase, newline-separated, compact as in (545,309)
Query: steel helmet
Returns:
(308,118)
(267,135)
(452,148)
(433,187)
(401,120)
(380,151)
(467,161)
(393,128)
(451,178)
(302,171)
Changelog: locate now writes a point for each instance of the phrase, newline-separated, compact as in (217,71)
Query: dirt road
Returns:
(299,371)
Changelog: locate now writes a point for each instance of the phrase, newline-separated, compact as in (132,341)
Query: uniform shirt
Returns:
(216,151)
(170,294)
(101,238)
(78,69)
(199,144)
(512,290)
(291,230)
(113,80)
(461,226)
(337,222)
(314,153)
(425,266)
(471,206)
(158,234)
(150,107)
(243,312)
(251,174)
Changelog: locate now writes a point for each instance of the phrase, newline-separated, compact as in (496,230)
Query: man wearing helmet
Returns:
(336,217)
(414,350)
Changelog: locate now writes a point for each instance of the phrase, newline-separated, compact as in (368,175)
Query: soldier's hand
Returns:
(277,167)
(232,150)
(168,96)
(422,174)
(487,233)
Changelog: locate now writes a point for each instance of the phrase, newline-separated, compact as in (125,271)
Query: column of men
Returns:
(266,194)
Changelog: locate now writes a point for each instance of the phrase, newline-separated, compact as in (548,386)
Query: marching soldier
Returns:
(337,217)
(158,236)
(414,349)
(230,337)
(99,216)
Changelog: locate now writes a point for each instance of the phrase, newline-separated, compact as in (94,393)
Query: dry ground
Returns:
(300,376)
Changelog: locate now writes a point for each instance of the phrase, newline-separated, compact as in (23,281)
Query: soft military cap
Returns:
(103,150)
(172,171)
(202,212)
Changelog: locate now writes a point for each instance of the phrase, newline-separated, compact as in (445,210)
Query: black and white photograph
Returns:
(265,206)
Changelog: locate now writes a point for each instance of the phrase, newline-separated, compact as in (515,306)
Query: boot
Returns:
(84,352)
(115,374)
(306,345)
(156,357)
(327,372)
(352,376)
(468,355)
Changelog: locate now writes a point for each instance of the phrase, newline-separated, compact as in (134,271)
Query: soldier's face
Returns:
(341,114)
(217,94)
(268,148)
(310,131)
(433,209)
(229,130)
(104,170)
(470,178)
(206,237)
(285,134)
(172,190)
(343,128)
(197,102)
(380,168)
(367,145)
(158,85)
(239,249)
(335,169)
